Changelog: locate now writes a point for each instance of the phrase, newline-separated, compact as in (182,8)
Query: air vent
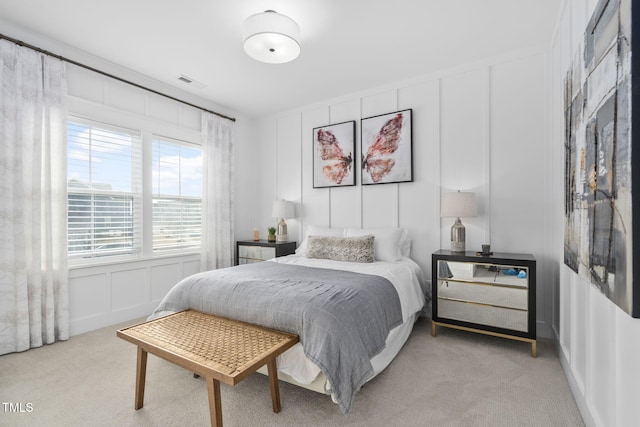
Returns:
(191,82)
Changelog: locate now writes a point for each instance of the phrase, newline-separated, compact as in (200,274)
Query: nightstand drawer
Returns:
(487,315)
(499,296)
(259,253)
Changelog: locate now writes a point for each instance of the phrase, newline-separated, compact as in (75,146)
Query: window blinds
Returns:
(177,195)
(104,190)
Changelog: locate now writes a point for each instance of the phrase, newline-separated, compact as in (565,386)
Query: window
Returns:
(104,190)
(177,195)
(109,199)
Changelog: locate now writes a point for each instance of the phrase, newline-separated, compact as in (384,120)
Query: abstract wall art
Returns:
(386,148)
(333,153)
(600,166)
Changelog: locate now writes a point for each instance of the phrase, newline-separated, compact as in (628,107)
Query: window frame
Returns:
(146,132)
(135,193)
(176,250)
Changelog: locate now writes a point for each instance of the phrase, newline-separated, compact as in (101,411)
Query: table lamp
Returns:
(282,209)
(455,205)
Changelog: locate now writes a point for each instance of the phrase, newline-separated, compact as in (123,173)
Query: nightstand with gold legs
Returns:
(488,294)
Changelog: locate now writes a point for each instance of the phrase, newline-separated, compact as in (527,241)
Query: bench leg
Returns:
(272,370)
(215,405)
(141,373)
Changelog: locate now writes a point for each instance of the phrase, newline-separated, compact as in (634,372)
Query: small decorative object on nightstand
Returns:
(271,234)
(493,295)
(249,251)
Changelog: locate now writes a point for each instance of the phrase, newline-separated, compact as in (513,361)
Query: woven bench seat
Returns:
(213,347)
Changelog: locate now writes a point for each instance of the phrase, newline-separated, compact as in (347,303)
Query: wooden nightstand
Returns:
(494,295)
(248,251)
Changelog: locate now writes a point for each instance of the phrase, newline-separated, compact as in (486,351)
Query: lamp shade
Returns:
(458,204)
(282,209)
(271,37)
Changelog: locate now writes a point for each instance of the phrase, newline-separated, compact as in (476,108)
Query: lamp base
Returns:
(458,247)
(281,235)
(458,236)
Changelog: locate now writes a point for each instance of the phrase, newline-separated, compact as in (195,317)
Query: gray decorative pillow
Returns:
(352,249)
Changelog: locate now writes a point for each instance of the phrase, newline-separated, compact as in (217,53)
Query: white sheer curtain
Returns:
(34,302)
(217,198)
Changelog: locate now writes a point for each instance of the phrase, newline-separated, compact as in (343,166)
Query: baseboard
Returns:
(583,407)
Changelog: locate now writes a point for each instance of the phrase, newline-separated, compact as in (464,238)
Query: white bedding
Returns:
(405,275)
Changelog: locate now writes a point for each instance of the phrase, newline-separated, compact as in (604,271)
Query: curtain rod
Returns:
(71,61)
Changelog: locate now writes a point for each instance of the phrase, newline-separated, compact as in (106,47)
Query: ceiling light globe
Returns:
(270,37)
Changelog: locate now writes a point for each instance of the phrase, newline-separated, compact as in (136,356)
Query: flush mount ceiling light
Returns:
(270,37)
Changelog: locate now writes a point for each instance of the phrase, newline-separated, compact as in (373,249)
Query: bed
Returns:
(352,295)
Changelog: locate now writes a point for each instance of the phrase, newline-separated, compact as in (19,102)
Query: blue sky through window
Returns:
(176,169)
(100,159)
(103,159)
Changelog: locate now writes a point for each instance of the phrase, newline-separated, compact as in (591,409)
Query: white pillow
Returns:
(386,243)
(405,244)
(314,230)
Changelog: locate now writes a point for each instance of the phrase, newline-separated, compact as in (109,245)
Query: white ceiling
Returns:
(347,45)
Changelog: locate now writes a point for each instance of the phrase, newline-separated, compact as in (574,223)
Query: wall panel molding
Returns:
(455,132)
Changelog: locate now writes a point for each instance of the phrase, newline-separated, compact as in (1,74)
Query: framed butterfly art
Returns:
(386,148)
(333,155)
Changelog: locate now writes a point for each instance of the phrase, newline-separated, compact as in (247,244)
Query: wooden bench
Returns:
(213,347)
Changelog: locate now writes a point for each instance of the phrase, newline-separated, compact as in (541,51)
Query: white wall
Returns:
(599,344)
(483,127)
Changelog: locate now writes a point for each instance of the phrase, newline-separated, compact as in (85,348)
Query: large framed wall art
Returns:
(386,148)
(333,151)
(602,171)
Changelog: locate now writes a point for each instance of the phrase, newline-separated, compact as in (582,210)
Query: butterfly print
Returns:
(330,150)
(377,162)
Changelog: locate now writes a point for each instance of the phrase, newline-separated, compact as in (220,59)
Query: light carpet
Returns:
(454,379)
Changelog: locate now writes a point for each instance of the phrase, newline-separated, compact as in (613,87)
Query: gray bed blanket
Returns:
(342,318)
